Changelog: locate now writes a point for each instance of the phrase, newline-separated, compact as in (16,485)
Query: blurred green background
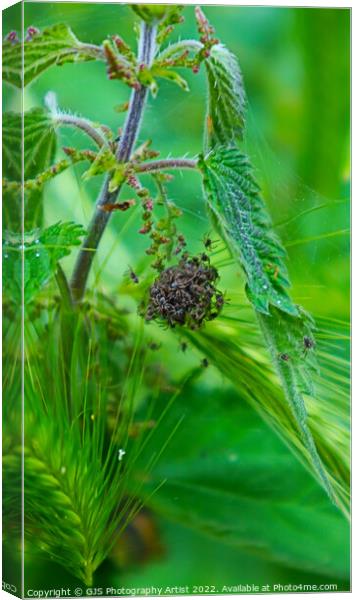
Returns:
(296,69)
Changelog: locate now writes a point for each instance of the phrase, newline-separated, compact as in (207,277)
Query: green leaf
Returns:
(39,151)
(239,484)
(42,250)
(226,98)
(284,336)
(105,161)
(239,213)
(55,45)
(234,200)
(170,75)
(39,142)
(154,13)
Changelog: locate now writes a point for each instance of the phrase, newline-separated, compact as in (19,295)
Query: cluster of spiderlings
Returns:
(185,294)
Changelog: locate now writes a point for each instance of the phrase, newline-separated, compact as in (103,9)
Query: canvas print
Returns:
(176,184)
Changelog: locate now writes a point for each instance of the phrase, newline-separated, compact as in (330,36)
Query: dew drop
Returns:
(37,254)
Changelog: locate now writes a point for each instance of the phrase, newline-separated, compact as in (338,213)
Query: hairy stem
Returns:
(179,47)
(84,125)
(169,163)
(100,218)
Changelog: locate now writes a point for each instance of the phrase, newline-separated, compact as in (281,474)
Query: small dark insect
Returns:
(204,257)
(133,276)
(207,242)
(309,344)
(204,363)
(219,300)
(181,243)
(154,346)
(183,346)
(285,357)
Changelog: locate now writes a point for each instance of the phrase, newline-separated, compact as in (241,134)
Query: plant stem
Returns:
(82,124)
(146,53)
(169,163)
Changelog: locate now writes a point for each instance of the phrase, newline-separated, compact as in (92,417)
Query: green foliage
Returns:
(239,213)
(170,75)
(234,347)
(230,483)
(42,250)
(104,162)
(121,383)
(226,98)
(39,151)
(82,480)
(154,13)
(284,336)
(39,143)
(234,200)
(55,45)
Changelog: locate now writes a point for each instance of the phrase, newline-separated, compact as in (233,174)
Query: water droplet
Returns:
(278,301)
(265,287)
(6,256)
(37,254)
(37,241)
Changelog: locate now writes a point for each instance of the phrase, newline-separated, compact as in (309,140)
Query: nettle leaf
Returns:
(234,199)
(170,75)
(39,142)
(226,97)
(42,250)
(55,45)
(39,151)
(239,213)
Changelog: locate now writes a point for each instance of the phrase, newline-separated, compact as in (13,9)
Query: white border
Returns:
(282,3)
